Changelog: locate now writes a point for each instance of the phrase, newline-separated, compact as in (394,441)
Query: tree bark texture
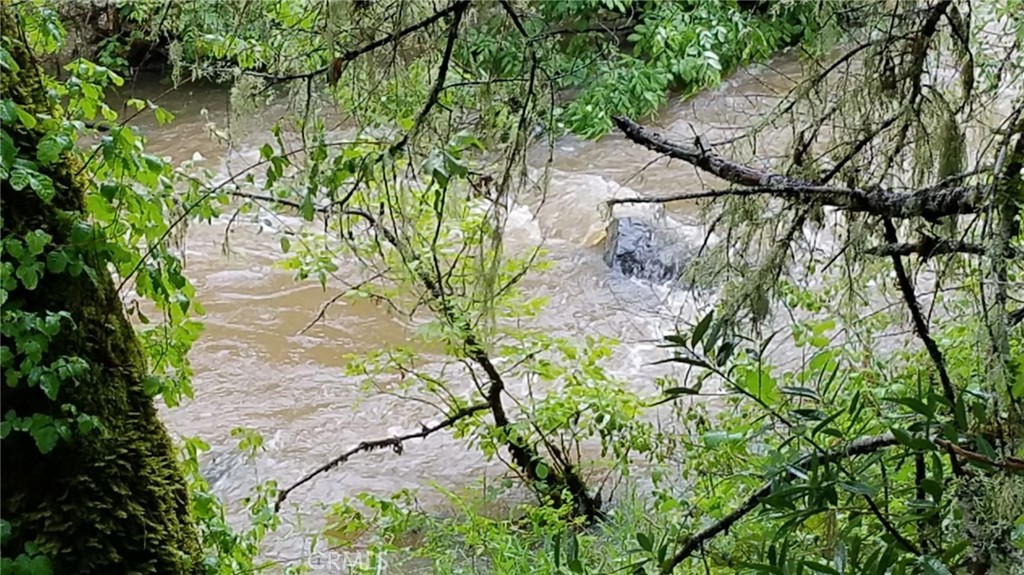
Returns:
(107,501)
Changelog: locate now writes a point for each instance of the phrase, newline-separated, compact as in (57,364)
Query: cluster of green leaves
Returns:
(684,47)
(229,549)
(408,214)
(671,46)
(897,509)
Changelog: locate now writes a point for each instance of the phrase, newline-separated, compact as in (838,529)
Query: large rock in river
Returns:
(644,249)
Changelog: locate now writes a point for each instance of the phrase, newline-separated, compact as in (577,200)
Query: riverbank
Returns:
(636,59)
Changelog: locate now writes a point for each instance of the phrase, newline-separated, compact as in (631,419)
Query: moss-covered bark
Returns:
(101,502)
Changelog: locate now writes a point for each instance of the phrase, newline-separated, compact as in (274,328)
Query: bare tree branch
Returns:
(1014,464)
(524,456)
(928,203)
(442,75)
(1016,317)
(927,248)
(921,328)
(396,444)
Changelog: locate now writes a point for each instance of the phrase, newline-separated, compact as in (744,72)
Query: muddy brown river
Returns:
(255,367)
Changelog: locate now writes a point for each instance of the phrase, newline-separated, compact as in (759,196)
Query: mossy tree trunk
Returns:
(107,500)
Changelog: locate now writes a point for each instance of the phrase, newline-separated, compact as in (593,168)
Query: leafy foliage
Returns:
(849,456)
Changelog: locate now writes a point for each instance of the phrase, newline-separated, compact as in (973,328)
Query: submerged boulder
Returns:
(640,248)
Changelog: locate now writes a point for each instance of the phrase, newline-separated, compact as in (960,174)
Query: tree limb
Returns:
(928,203)
(1014,464)
(921,328)
(1016,316)
(928,247)
(524,455)
(395,443)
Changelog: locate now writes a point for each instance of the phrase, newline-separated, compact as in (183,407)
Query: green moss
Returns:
(101,502)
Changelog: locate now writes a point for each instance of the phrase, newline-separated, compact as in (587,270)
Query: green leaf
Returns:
(19,179)
(760,384)
(36,242)
(307,209)
(914,404)
(802,392)
(28,275)
(51,146)
(986,448)
(724,352)
(50,384)
(26,119)
(675,340)
(163,116)
(8,111)
(39,565)
(151,385)
(688,360)
(45,434)
(645,541)
(701,328)
(932,487)
(915,443)
(858,488)
(56,261)
(15,248)
(823,326)
(542,470)
(286,244)
(673,391)
(819,341)
(932,566)
(714,439)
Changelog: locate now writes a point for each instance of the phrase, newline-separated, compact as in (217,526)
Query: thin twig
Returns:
(442,74)
(323,309)
(920,326)
(1009,463)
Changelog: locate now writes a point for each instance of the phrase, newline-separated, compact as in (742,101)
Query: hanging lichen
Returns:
(952,147)
(993,508)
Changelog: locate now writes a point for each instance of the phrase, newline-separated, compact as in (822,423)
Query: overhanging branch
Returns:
(928,203)
(395,443)
(928,247)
